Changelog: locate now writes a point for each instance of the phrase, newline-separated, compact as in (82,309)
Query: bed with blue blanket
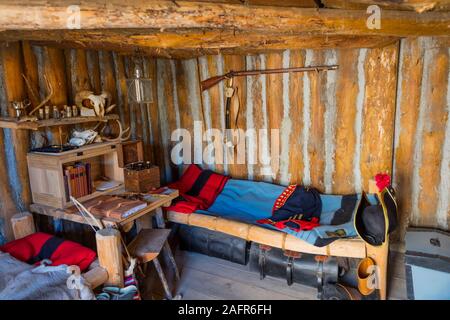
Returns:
(250,201)
(304,213)
(238,207)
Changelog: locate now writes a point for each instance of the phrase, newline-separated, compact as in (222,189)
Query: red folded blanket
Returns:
(198,189)
(39,246)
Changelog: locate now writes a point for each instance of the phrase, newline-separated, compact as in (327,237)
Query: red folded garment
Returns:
(198,188)
(293,224)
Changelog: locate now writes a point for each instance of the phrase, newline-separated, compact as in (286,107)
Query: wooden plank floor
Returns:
(204,278)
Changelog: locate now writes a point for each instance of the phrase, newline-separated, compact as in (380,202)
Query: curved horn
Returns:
(47,98)
(120,137)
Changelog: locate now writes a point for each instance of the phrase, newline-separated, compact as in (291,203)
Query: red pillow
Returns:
(39,246)
(187,179)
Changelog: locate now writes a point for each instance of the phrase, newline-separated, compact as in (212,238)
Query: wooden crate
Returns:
(132,152)
(143,180)
(46,172)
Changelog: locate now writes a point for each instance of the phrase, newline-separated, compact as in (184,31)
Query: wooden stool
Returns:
(147,246)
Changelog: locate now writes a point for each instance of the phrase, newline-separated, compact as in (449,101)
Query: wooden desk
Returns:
(109,244)
(65,214)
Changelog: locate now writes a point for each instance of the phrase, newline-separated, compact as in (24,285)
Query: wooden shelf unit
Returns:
(46,172)
(13,123)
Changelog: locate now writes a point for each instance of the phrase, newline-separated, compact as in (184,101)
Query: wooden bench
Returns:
(350,248)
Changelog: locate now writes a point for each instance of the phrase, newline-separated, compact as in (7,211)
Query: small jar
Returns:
(41,114)
(47,112)
(56,114)
(74,111)
(68,111)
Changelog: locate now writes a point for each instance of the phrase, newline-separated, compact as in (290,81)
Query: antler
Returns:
(120,137)
(34,95)
(47,99)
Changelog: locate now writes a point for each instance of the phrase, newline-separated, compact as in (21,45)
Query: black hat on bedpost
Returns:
(373,222)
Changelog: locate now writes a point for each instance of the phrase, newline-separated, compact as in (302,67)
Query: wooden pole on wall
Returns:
(13,143)
(110,255)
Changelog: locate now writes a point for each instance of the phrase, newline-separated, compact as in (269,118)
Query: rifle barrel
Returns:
(283,70)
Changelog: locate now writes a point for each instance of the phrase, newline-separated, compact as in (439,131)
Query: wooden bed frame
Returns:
(350,248)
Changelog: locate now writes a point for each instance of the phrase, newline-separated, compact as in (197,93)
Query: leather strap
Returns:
(262,260)
(320,275)
(290,271)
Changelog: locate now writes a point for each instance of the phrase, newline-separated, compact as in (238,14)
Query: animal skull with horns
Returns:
(94,105)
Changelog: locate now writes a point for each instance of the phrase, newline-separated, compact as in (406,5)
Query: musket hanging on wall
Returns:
(211,82)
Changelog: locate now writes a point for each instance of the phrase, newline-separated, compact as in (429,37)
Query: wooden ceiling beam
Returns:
(101,14)
(188,43)
(414,5)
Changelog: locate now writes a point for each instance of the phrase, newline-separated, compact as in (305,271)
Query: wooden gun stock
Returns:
(211,82)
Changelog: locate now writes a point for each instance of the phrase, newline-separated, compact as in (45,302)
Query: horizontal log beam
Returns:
(51,15)
(415,5)
(190,43)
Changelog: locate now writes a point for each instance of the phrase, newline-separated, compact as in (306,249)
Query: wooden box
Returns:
(130,152)
(137,180)
(142,180)
(47,179)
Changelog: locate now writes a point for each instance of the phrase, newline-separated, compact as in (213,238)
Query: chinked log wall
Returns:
(385,109)
(68,71)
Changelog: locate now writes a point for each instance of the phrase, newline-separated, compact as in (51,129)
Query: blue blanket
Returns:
(249,201)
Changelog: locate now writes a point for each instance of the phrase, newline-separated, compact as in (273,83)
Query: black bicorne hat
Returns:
(373,222)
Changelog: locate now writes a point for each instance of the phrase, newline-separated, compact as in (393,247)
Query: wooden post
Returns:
(22,224)
(109,251)
(380,256)
(159,216)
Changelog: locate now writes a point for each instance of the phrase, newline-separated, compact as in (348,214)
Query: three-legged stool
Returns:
(147,246)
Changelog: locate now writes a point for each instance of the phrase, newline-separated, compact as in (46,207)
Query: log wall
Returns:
(68,70)
(384,110)
(336,128)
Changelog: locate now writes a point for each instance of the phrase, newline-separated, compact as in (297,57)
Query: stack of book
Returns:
(78,180)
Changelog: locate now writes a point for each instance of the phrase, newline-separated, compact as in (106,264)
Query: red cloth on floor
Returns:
(39,246)
(198,188)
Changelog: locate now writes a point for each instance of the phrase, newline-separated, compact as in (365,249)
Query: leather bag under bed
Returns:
(214,244)
(307,269)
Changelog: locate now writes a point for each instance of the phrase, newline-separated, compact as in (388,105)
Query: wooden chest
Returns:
(139,176)
(143,179)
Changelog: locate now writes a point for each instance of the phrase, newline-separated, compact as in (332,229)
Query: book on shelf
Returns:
(78,180)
